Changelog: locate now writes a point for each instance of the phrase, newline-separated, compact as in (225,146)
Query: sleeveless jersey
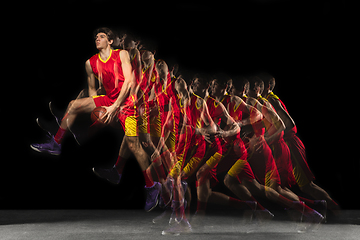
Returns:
(109,72)
(291,131)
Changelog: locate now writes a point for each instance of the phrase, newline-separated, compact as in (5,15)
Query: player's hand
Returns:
(110,114)
(208,136)
(255,143)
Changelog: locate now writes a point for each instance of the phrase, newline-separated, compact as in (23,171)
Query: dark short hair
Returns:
(256,81)
(222,78)
(109,33)
(202,77)
(240,82)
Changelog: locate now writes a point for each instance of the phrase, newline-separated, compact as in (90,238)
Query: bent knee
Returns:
(228,181)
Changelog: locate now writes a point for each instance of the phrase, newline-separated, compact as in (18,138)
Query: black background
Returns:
(305,45)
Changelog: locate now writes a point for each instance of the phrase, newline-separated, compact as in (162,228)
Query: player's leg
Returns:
(114,174)
(241,191)
(303,174)
(257,189)
(318,193)
(75,107)
(203,188)
(152,188)
(53,146)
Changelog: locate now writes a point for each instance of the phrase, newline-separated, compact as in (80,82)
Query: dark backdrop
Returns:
(304,45)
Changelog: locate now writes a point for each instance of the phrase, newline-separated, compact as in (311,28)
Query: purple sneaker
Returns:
(51,147)
(111,174)
(152,196)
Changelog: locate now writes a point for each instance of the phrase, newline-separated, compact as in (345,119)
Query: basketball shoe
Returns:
(111,174)
(51,146)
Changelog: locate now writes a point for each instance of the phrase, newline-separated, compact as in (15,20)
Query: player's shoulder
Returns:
(236,99)
(94,57)
(274,101)
(124,55)
(210,99)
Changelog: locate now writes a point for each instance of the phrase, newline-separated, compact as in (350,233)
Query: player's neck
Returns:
(265,93)
(105,53)
(219,97)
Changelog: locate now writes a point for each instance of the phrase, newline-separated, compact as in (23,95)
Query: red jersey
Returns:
(289,132)
(109,72)
(195,115)
(214,110)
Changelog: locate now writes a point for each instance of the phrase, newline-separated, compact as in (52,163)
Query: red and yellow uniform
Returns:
(198,145)
(235,148)
(301,170)
(145,83)
(109,73)
(281,155)
(260,157)
(183,138)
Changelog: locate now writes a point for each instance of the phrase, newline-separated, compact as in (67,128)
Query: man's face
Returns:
(162,69)
(102,41)
(147,57)
(255,91)
(216,89)
(197,86)
(180,86)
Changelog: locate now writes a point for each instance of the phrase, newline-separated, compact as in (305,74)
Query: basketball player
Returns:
(112,68)
(301,170)
(131,144)
(233,152)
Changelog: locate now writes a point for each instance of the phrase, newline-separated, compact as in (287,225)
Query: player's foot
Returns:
(152,196)
(175,205)
(179,227)
(51,147)
(296,212)
(163,219)
(312,221)
(197,221)
(313,217)
(321,207)
(166,193)
(264,215)
(111,174)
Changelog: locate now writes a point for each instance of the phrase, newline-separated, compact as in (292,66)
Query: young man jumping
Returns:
(113,70)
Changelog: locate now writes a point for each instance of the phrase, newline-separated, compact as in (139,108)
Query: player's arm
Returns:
(149,64)
(283,114)
(125,89)
(209,129)
(90,79)
(277,124)
(254,114)
(232,126)
(135,62)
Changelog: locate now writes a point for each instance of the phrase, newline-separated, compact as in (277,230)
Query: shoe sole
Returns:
(49,152)
(157,202)
(98,175)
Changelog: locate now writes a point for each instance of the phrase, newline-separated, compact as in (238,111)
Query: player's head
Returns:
(200,84)
(239,86)
(269,83)
(256,87)
(181,87)
(219,84)
(147,57)
(104,37)
(162,68)
(128,42)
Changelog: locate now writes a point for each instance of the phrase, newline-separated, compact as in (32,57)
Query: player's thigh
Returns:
(82,105)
